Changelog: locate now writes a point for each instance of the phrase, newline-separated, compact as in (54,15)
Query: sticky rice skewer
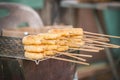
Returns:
(70,31)
(34,56)
(60,42)
(33,48)
(81,32)
(42,48)
(76,43)
(82,44)
(38,39)
(79,41)
(78,47)
(75,31)
(46,50)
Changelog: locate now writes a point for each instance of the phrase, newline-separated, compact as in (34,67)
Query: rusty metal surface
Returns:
(49,70)
(11,47)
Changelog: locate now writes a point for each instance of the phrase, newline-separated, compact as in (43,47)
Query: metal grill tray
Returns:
(12,47)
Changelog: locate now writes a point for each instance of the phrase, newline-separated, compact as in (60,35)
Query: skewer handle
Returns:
(86,32)
(83,49)
(68,60)
(103,43)
(82,55)
(70,55)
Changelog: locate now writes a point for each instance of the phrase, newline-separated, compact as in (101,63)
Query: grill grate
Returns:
(11,47)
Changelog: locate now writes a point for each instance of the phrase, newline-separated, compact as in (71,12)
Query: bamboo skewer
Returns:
(86,46)
(83,49)
(100,45)
(113,45)
(91,44)
(82,55)
(105,45)
(86,32)
(97,38)
(68,60)
(92,47)
(67,54)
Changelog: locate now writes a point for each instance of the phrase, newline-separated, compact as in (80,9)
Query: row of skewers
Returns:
(59,41)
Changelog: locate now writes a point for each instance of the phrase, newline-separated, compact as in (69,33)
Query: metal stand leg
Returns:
(75,76)
(108,53)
